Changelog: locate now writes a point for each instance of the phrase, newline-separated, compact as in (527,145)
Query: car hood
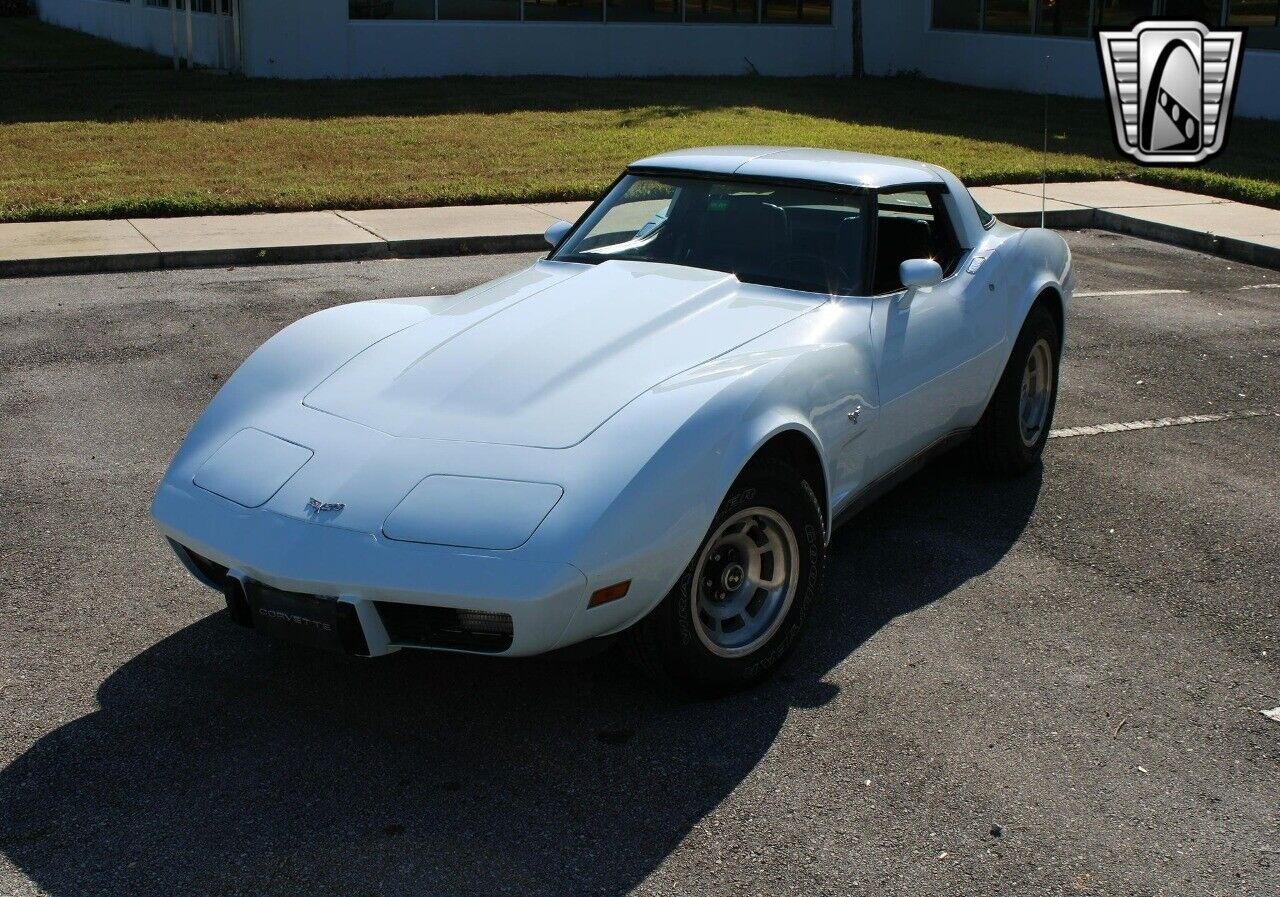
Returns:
(544,358)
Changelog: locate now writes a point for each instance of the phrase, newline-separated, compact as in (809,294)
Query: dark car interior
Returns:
(788,237)
(778,235)
(911,226)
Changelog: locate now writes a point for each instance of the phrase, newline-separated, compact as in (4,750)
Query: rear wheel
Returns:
(740,604)
(1011,436)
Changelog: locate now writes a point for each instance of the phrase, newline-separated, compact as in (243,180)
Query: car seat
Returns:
(899,239)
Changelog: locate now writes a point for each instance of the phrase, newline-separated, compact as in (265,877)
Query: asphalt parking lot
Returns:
(1045,686)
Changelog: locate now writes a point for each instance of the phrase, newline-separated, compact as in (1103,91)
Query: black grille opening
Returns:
(237,602)
(445,627)
(350,632)
(213,570)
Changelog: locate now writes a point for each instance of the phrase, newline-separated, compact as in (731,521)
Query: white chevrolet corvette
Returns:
(651,432)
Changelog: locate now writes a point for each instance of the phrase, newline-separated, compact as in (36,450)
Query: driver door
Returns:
(930,340)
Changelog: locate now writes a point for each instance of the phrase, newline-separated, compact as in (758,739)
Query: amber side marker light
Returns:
(609,593)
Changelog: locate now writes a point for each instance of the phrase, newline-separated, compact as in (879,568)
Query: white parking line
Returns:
(1091,295)
(1262,286)
(1097,429)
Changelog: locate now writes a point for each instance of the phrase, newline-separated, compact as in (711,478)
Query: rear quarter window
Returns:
(984,216)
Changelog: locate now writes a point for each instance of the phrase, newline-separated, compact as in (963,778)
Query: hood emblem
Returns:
(316,506)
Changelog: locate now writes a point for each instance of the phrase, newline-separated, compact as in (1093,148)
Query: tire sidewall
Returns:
(765,486)
(1039,325)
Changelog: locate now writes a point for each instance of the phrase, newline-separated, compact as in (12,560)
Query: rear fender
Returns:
(1041,262)
(1044,263)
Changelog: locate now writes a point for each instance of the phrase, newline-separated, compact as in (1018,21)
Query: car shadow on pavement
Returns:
(222,763)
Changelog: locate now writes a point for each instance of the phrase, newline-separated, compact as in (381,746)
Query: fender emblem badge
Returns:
(317,506)
(853,415)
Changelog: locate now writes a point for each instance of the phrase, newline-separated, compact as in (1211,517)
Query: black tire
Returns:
(998,443)
(666,644)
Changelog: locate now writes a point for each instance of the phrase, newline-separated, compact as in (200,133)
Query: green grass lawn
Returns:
(118,142)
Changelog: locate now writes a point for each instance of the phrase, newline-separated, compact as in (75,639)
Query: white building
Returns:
(993,43)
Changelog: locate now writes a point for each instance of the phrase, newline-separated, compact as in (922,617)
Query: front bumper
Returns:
(375,576)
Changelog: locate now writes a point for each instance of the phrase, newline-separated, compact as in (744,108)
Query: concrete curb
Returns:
(441,246)
(81,264)
(273,255)
(1057,219)
(1235,248)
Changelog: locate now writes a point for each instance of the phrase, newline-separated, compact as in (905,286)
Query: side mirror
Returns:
(917,273)
(555,233)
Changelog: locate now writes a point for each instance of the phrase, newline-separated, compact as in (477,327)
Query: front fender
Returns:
(715,420)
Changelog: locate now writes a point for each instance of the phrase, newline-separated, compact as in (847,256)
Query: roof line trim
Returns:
(863,189)
(751,178)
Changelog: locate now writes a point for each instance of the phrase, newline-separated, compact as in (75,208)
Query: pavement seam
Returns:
(1157,423)
(1075,206)
(139,232)
(1101,293)
(531,208)
(1034,190)
(369,231)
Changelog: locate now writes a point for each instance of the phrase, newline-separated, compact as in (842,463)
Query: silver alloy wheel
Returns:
(744,582)
(1037,392)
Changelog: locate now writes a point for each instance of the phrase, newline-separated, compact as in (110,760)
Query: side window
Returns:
(984,216)
(912,224)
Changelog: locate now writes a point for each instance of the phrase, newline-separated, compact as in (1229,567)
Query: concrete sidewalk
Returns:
(1234,230)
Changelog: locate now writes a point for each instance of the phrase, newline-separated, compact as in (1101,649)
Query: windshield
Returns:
(801,238)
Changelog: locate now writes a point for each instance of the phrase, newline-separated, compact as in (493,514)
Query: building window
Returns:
(721,10)
(1207,11)
(746,12)
(804,12)
(478,10)
(563,11)
(1078,18)
(966,14)
(1007,15)
(644,10)
(807,12)
(1068,18)
(1261,17)
(1120,13)
(392,9)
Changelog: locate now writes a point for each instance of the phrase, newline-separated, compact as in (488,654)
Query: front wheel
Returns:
(739,607)
(1011,436)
